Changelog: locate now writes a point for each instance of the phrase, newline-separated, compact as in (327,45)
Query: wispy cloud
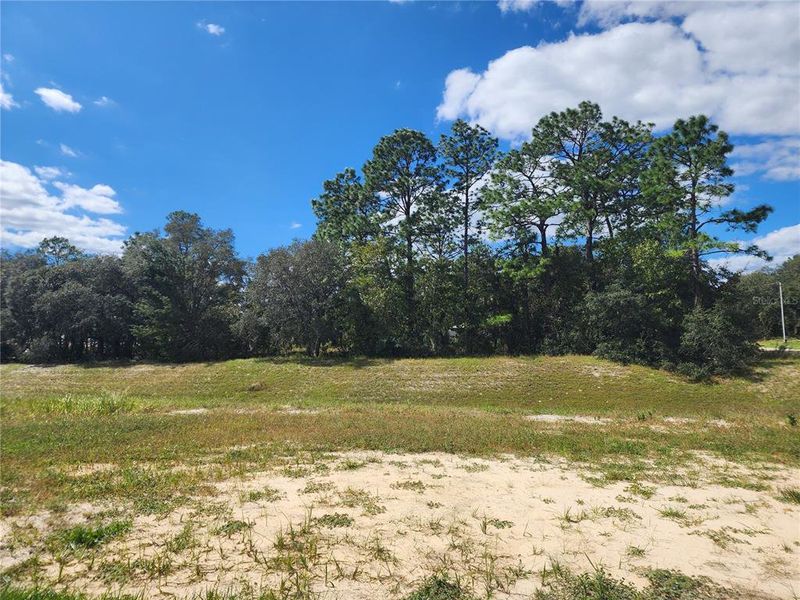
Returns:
(295,225)
(57,100)
(104,101)
(67,151)
(48,173)
(6,99)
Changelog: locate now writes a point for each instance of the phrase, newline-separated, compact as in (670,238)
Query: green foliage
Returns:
(712,341)
(399,266)
(299,295)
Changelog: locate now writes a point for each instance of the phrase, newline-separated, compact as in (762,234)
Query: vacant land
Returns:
(364,478)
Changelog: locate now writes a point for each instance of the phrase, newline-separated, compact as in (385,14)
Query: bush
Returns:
(713,343)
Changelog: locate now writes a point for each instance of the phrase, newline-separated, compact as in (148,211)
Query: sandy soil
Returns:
(371,526)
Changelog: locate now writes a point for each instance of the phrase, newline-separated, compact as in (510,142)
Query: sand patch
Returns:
(189,411)
(585,419)
(296,410)
(368,525)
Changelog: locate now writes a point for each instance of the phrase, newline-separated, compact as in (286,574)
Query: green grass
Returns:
(561,584)
(60,417)
(88,536)
(775,343)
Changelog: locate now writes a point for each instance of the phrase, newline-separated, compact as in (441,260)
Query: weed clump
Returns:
(87,536)
(439,588)
(791,495)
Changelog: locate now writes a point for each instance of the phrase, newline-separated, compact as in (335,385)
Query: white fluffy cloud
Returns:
(57,100)
(29,212)
(781,244)
(654,71)
(777,159)
(98,199)
(6,99)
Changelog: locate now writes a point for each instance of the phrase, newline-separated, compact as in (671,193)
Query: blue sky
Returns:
(239,111)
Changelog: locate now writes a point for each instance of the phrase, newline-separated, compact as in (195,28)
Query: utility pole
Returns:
(783,321)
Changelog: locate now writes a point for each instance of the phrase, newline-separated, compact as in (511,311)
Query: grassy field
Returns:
(131,442)
(71,415)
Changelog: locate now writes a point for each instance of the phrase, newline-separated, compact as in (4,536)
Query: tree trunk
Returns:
(542,227)
(694,252)
(409,281)
(465,291)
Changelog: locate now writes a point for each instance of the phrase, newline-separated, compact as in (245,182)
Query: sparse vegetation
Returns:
(89,536)
(790,494)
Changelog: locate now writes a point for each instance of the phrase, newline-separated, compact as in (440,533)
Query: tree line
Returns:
(593,236)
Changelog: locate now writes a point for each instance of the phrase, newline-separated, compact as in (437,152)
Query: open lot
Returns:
(362,478)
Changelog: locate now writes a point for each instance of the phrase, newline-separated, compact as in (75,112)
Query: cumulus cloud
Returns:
(99,199)
(57,100)
(776,159)
(67,151)
(653,71)
(608,14)
(30,212)
(458,88)
(781,244)
(6,99)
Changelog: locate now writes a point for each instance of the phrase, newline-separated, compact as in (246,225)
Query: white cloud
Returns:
(6,99)
(211,28)
(516,5)
(104,101)
(654,71)
(49,173)
(295,225)
(57,100)
(99,199)
(8,57)
(506,6)
(67,151)
(458,88)
(776,159)
(608,14)
(766,40)
(30,213)
(781,244)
